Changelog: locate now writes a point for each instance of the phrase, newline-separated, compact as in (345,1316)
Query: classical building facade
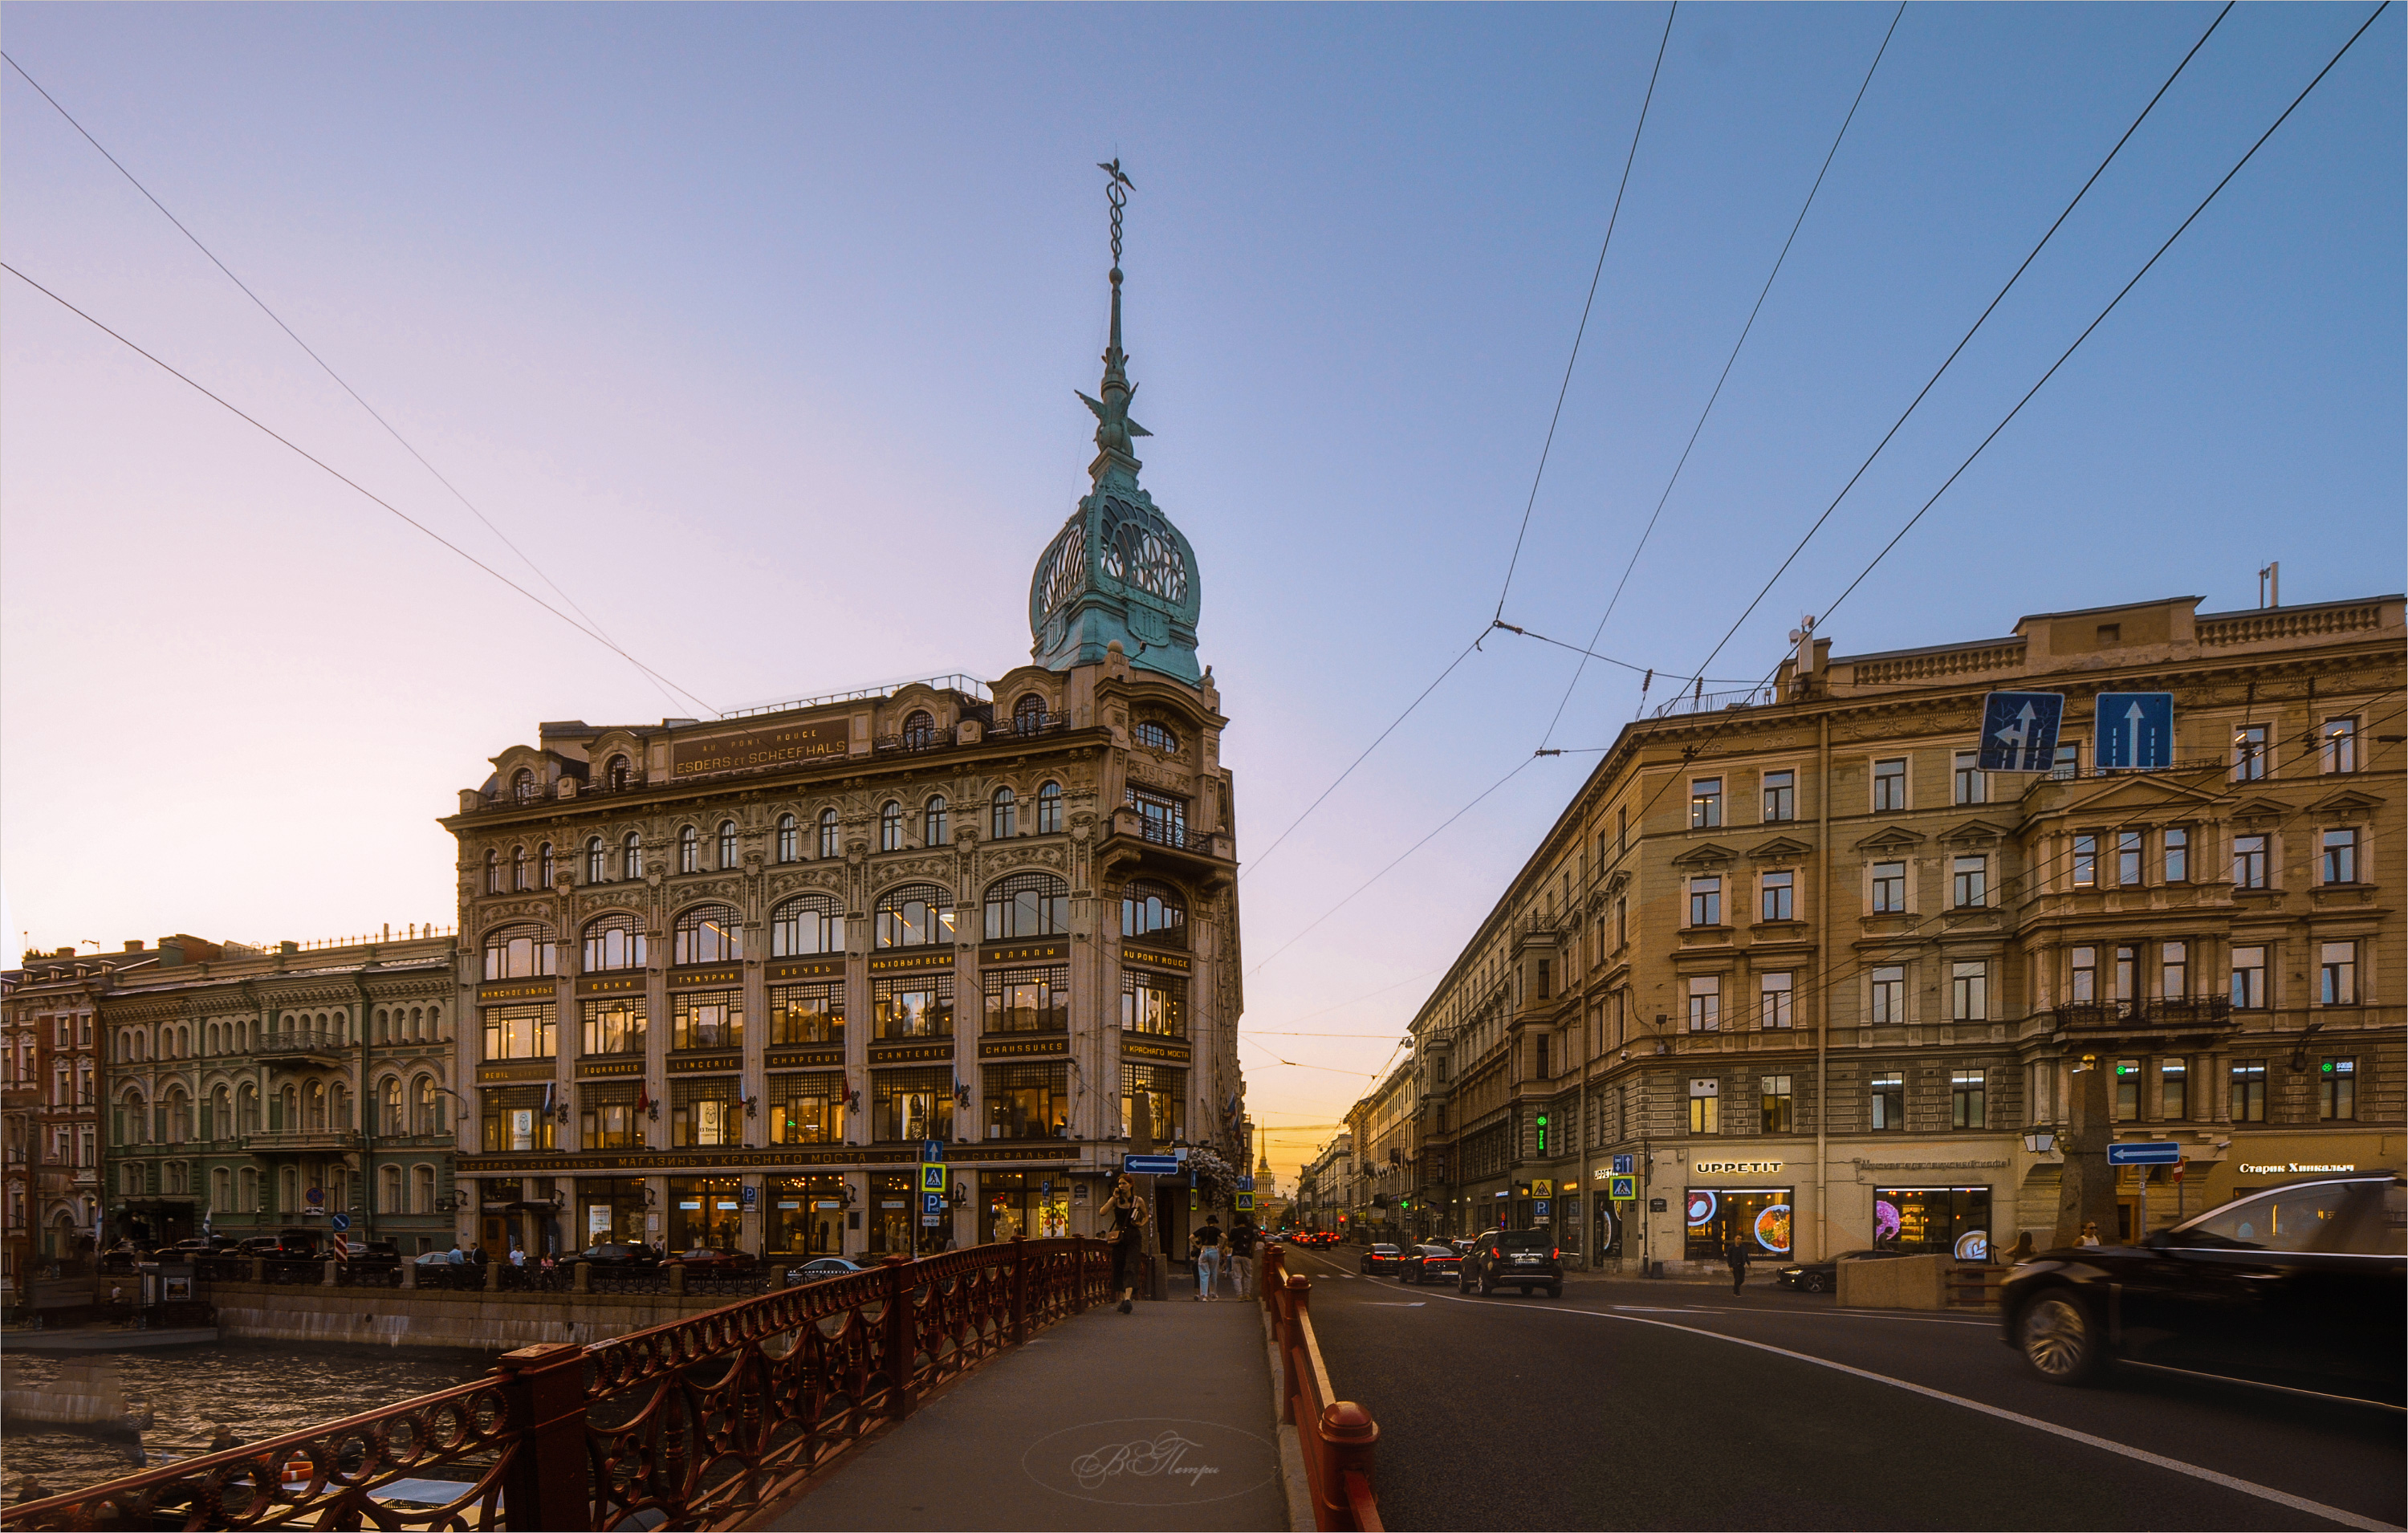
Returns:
(1818,982)
(724,979)
(49,1106)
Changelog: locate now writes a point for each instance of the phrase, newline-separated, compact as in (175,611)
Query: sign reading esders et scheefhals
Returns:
(773,747)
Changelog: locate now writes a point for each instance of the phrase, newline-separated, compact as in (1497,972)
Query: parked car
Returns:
(1823,1277)
(286,1247)
(201,1245)
(2302,1287)
(821,1268)
(1382,1258)
(1526,1259)
(1427,1263)
(376,1252)
(611,1253)
(709,1262)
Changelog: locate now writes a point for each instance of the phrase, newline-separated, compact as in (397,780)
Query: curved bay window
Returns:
(1028,1101)
(789,838)
(631,856)
(1153,1102)
(614,1026)
(915,915)
(919,731)
(911,1105)
(728,856)
(1162,817)
(709,934)
(709,1111)
(597,862)
(517,953)
(804,926)
(1028,1000)
(607,1116)
(707,1019)
(1153,1003)
(515,1118)
(807,1107)
(522,1032)
(1154,912)
(936,824)
(1027,905)
(1048,809)
(1029,714)
(613,941)
(1003,815)
(889,827)
(689,849)
(920,1006)
(831,833)
(806,1013)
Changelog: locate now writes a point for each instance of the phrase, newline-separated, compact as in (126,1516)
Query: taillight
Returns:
(1496,1255)
(1556,1255)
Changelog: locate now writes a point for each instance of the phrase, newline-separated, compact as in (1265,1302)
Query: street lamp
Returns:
(2039,1141)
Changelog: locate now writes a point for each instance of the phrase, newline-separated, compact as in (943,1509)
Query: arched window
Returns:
(1155,911)
(427,1110)
(388,1119)
(493,872)
(522,784)
(517,953)
(631,856)
(1048,809)
(595,865)
(726,844)
(617,773)
(935,823)
(790,839)
(1027,905)
(422,1189)
(689,849)
(613,941)
(890,827)
(316,1119)
(830,829)
(544,869)
(518,868)
(915,915)
(180,1119)
(709,934)
(389,1189)
(1003,815)
(220,1123)
(1155,737)
(806,924)
(919,731)
(247,1112)
(1029,714)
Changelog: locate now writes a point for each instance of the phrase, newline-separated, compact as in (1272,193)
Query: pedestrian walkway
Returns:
(1161,1418)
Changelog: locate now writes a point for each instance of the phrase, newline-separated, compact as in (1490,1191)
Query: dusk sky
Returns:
(756,328)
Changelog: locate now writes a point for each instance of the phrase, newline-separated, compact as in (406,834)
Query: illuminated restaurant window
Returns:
(1935,1221)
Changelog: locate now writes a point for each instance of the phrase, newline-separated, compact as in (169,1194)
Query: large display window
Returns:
(1035,1204)
(1718,1215)
(1945,1221)
(805,1216)
(705,1213)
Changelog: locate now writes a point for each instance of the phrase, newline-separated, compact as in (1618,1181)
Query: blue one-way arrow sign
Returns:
(1149,1164)
(2146,1153)
(2020,730)
(2135,729)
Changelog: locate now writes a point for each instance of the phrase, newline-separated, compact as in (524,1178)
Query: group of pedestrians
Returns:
(1223,1258)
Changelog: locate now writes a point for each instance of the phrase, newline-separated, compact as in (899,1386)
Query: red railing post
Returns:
(1273,1274)
(546,1484)
(1352,1436)
(902,1337)
(1019,1289)
(1296,1297)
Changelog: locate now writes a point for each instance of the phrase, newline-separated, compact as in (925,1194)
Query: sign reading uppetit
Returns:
(2019,731)
(777,746)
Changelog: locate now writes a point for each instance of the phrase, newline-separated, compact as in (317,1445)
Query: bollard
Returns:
(493,1277)
(259,1269)
(409,1274)
(328,1281)
(583,1281)
(677,1280)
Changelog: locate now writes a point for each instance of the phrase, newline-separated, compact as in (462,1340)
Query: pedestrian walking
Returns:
(1124,1215)
(1242,1252)
(2022,1250)
(1737,1254)
(1208,1261)
(2089,1234)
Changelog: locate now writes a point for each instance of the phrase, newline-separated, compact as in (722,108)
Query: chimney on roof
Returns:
(133,944)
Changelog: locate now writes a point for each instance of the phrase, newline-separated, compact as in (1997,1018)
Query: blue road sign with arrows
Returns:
(2146,1153)
(2019,731)
(341,1222)
(2135,730)
(1149,1164)
(1625,1165)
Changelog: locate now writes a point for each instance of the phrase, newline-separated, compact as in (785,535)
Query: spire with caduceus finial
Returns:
(1114,430)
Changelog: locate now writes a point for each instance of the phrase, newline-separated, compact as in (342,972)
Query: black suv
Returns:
(2300,1287)
(1513,1258)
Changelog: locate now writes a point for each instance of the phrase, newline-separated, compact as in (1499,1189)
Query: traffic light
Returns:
(1542,1133)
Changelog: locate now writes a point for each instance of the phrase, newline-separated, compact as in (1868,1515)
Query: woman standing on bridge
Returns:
(1125,1212)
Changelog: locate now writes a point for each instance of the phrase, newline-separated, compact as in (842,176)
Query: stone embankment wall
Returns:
(425,1317)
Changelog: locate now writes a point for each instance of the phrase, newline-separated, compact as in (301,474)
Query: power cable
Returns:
(338,474)
(329,370)
(1728,362)
(1515,562)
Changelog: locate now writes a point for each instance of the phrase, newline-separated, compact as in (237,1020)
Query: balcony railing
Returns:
(2211,1012)
(292,1140)
(1175,835)
(1715,702)
(708,1421)
(298,1043)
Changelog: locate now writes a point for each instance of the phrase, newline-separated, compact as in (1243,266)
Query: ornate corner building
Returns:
(1789,969)
(723,980)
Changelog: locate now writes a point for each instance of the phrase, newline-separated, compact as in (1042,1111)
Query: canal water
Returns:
(255,1390)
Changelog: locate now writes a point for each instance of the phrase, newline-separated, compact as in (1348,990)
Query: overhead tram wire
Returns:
(654,676)
(337,473)
(1696,431)
(1515,562)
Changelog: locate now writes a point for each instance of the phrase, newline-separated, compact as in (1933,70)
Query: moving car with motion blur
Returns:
(2301,1289)
(1823,1277)
(1526,1259)
(1382,1258)
(1427,1263)
(819,1268)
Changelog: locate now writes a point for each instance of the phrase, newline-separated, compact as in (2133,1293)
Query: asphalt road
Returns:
(1636,1404)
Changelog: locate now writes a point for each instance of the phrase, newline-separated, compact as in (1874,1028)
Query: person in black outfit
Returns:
(1124,1215)
(1737,1254)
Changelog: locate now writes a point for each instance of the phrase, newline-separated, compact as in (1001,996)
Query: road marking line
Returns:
(2247,1487)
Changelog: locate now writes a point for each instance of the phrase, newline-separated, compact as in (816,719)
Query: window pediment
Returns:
(1974,833)
(2348,804)
(1711,855)
(1891,839)
(2260,809)
(1780,849)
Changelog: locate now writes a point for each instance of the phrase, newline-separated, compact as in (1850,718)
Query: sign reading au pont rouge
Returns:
(788,742)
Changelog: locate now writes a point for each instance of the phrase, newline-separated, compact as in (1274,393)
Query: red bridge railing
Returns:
(1336,1436)
(701,1422)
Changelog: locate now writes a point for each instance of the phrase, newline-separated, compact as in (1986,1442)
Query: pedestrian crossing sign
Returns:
(1623,1189)
(1245,1202)
(1541,1187)
(932,1177)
